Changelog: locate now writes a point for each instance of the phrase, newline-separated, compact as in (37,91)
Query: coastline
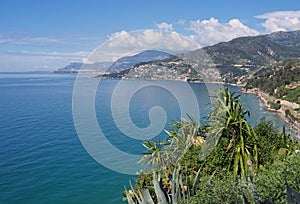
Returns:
(264,98)
(285,105)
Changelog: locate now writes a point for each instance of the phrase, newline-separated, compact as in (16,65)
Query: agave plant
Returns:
(160,155)
(180,190)
(164,157)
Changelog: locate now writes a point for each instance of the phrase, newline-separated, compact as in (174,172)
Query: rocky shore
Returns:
(285,105)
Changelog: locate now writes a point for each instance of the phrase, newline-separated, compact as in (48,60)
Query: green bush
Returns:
(245,165)
(223,188)
(288,113)
(270,141)
(273,105)
(271,182)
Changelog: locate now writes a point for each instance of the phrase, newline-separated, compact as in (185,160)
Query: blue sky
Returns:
(46,35)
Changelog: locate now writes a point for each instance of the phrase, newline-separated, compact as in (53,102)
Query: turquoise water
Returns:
(41,157)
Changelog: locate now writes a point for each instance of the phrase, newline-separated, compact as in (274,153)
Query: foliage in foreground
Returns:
(244,164)
(268,186)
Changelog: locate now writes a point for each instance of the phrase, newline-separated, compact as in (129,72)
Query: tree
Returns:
(230,173)
(229,124)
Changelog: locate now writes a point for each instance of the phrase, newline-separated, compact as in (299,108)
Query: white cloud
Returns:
(126,43)
(165,26)
(121,39)
(280,21)
(151,39)
(212,31)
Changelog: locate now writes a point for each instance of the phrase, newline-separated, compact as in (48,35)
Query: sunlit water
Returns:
(41,157)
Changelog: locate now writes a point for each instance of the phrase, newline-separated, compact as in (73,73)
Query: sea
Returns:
(46,118)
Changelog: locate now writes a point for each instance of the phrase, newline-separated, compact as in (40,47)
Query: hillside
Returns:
(287,39)
(171,68)
(241,56)
(235,60)
(255,50)
(281,80)
(118,65)
(251,51)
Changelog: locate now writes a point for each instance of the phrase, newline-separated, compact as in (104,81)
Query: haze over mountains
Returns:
(145,56)
(118,65)
(232,59)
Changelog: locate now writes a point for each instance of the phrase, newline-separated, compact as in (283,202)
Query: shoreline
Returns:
(262,97)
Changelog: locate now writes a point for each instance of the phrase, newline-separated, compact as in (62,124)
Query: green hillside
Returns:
(243,56)
(281,80)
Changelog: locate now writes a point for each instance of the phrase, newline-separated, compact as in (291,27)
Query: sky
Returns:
(49,34)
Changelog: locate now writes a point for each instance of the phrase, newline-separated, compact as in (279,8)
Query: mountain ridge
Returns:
(257,50)
(144,56)
(234,59)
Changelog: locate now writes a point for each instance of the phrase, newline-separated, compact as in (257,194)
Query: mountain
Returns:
(120,64)
(233,61)
(287,39)
(281,80)
(242,56)
(255,50)
(145,56)
(75,67)
(171,68)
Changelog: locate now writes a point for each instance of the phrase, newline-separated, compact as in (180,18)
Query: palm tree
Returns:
(164,157)
(228,120)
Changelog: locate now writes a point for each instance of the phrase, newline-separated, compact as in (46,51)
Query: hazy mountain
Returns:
(145,56)
(122,63)
(234,59)
(75,67)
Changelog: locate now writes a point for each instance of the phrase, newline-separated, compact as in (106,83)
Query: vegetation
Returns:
(292,95)
(255,50)
(223,161)
(280,80)
(289,114)
(273,105)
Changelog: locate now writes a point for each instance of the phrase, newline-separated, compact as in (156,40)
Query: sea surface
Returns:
(42,159)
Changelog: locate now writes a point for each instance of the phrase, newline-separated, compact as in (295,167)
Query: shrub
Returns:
(223,188)
(271,181)
(269,141)
(290,115)
(273,105)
